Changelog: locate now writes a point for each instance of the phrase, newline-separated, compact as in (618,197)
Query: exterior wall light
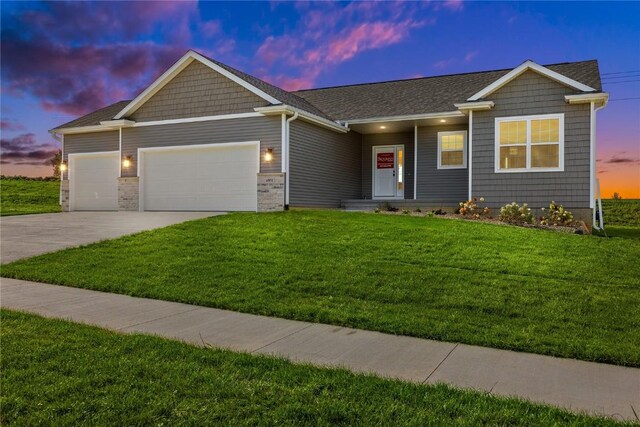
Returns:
(63,166)
(126,162)
(268,155)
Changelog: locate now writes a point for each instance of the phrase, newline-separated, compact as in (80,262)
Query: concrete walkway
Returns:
(576,385)
(29,235)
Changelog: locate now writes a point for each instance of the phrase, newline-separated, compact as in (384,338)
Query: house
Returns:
(205,136)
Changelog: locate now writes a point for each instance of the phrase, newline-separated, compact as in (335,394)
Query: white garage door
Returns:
(93,181)
(216,177)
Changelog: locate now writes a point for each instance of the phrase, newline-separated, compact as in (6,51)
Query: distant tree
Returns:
(55,162)
(617,196)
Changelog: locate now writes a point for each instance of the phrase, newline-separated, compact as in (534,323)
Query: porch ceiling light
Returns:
(383,127)
(126,162)
(268,155)
(443,121)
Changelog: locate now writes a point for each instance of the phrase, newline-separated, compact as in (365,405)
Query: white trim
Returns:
(142,151)
(448,114)
(498,120)
(585,98)
(470,147)
(592,156)
(84,129)
(118,123)
(74,156)
(198,119)
(62,161)
(120,153)
(415,162)
(373,171)
(287,109)
(283,142)
(175,69)
(464,149)
(530,65)
(477,105)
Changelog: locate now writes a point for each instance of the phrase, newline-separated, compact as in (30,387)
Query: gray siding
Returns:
(325,166)
(198,91)
(370,140)
(527,95)
(90,143)
(440,186)
(267,130)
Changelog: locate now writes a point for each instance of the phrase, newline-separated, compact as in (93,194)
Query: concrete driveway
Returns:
(24,236)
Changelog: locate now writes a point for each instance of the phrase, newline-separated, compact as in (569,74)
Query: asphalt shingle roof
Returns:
(424,95)
(369,100)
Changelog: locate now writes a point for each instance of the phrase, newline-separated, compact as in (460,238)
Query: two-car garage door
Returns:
(213,177)
(216,177)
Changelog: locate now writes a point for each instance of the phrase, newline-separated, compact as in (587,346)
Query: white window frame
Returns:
(464,149)
(528,119)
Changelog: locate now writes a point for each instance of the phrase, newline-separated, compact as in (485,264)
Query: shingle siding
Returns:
(447,187)
(198,91)
(267,130)
(90,143)
(325,166)
(532,94)
(371,140)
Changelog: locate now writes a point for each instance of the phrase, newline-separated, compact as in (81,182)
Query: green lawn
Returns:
(59,373)
(500,286)
(621,218)
(24,196)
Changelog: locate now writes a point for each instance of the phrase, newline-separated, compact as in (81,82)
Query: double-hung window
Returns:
(530,143)
(452,150)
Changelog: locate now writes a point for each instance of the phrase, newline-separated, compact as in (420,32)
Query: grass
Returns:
(621,218)
(25,196)
(452,280)
(50,378)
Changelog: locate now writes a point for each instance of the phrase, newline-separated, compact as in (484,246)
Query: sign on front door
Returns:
(385,161)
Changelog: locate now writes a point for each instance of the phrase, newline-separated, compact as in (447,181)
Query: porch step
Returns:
(370,205)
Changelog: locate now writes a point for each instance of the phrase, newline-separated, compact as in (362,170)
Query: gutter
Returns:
(289,110)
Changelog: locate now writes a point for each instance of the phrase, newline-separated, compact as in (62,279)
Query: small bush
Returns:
(513,213)
(473,208)
(556,215)
(377,210)
(405,212)
(438,212)
(418,210)
(386,206)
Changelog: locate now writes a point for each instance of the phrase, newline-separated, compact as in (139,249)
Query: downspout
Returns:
(415,162)
(470,161)
(286,160)
(592,183)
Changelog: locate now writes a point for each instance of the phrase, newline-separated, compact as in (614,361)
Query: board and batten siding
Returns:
(532,94)
(197,91)
(90,143)
(325,166)
(446,187)
(267,130)
(371,140)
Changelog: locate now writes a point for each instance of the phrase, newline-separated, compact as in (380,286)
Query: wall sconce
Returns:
(268,155)
(63,166)
(126,162)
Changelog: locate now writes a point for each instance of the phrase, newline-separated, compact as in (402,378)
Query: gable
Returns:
(531,86)
(197,91)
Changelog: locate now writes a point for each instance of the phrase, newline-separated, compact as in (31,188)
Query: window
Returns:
(530,143)
(452,150)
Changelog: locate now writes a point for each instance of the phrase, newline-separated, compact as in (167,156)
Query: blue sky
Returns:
(61,60)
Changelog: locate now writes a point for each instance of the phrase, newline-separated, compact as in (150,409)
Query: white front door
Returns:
(388,172)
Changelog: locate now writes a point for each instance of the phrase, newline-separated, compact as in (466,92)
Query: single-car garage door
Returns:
(213,177)
(93,181)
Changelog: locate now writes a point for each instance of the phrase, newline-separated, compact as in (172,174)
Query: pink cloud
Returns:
(455,5)
(444,63)
(11,125)
(471,56)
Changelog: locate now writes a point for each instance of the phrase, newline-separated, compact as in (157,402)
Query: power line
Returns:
(621,77)
(623,81)
(621,72)
(625,99)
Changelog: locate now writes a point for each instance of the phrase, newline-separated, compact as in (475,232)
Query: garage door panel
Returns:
(217,177)
(94,182)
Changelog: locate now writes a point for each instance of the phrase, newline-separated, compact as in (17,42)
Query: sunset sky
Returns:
(61,60)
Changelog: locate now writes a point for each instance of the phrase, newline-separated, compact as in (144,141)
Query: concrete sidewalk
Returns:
(576,385)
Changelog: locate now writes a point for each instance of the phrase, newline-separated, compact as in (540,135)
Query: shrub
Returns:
(386,206)
(473,209)
(405,211)
(377,210)
(556,215)
(513,213)
(418,210)
(438,212)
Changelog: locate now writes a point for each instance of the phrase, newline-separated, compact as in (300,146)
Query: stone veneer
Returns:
(128,193)
(270,192)
(64,195)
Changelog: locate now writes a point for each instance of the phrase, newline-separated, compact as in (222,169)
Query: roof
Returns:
(424,95)
(383,99)
(94,118)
